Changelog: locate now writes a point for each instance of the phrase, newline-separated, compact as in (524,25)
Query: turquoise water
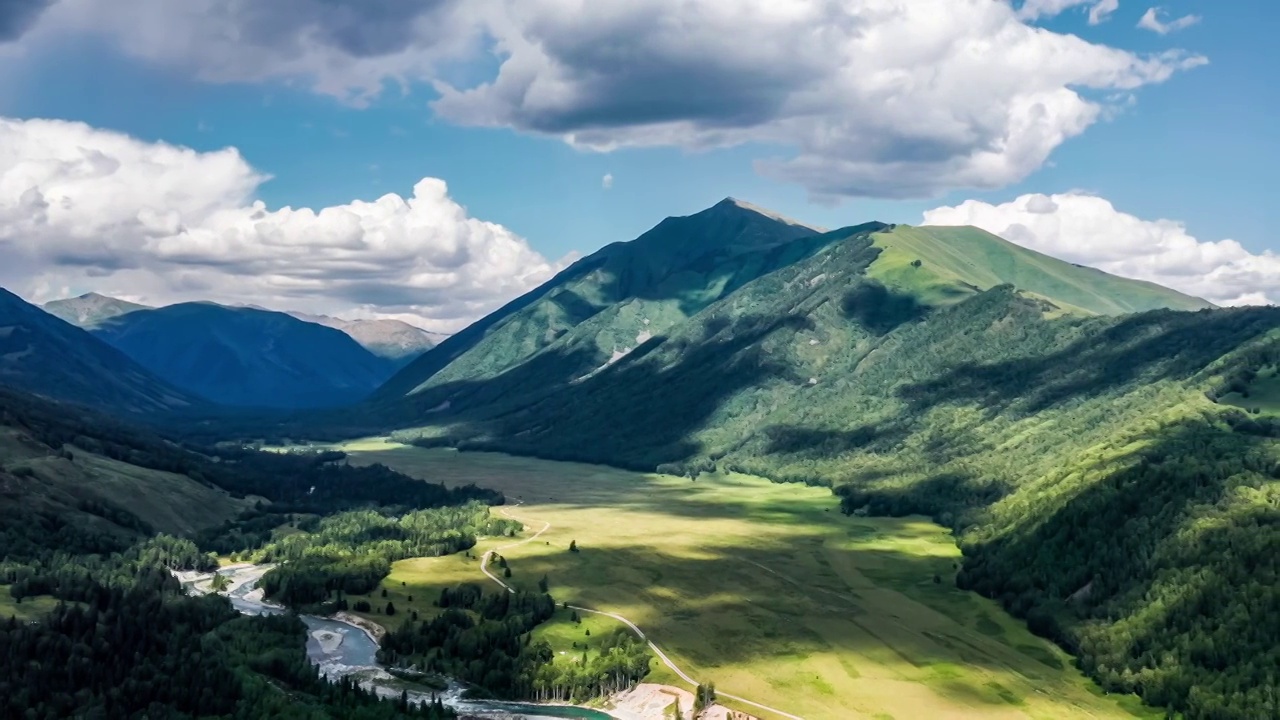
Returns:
(534,712)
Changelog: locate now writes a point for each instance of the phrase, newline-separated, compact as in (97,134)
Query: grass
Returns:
(764,589)
(30,609)
(951,257)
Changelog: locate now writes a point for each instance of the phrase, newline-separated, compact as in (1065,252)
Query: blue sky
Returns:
(1199,147)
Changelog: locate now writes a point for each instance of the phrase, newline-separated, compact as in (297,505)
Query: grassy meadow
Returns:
(29,610)
(764,589)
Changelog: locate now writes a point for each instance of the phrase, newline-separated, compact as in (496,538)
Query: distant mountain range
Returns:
(252,356)
(391,339)
(46,355)
(91,309)
(247,357)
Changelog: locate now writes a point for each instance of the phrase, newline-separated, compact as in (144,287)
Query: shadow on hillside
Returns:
(531,410)
(879,309)
(1149,346)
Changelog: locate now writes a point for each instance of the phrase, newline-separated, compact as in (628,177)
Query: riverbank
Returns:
(375,631)
(346,645)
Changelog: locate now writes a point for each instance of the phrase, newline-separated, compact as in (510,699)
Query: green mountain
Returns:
(612,301)
(1064,422)
(42,354)
(91,309)
(246,356)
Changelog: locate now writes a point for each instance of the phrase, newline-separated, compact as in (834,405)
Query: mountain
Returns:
(610,303)
(247,357)
(91,309)
(42,354)
(1106,451)
(614,299)
(393,340)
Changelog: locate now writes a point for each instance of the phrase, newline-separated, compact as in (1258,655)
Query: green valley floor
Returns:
(764,589)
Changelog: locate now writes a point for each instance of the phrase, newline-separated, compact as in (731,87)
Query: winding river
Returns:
(341,649)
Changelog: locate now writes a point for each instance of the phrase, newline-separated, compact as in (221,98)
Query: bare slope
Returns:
(90,309)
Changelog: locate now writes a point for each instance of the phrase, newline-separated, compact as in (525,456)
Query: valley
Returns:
(762,588)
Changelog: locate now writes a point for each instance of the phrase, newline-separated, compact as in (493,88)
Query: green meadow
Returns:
(765,589)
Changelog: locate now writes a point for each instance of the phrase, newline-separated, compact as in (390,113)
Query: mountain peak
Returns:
(731,203)
(91,309)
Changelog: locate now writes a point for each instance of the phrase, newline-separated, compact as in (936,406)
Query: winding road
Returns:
(484,568)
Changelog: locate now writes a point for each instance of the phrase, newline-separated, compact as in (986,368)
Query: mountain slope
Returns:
(1096,487)
(247,357)
(392,340)
(608,302)
(952,257)
(91,309)
(42,354)
(73,482)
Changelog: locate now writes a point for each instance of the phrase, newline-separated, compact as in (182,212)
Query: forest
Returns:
(125,642)
(486,640)
(351,552)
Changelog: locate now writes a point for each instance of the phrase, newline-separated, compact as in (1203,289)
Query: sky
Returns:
(431,159)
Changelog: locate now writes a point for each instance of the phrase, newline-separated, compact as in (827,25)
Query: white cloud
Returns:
(887,98)
(1102,10)
(1089,230)
(1151,21)
(1099,10)
(86,209)
(606,182)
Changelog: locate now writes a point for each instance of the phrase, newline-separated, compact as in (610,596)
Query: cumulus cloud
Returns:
(86,209)
(1151,21)
(1089,230)
(886,98)
(606,182)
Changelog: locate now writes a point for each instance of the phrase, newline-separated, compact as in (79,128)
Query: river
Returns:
(341,649)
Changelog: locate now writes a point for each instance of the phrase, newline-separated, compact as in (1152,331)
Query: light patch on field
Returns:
(31,609)
(764,589)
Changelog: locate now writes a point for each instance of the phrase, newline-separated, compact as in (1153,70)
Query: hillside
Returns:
(42,354)
(611,301)
(1096,488)
(956,262)
(247,357)
(91,309)
(74,486)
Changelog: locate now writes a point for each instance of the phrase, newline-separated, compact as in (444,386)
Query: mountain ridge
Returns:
(246,357)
